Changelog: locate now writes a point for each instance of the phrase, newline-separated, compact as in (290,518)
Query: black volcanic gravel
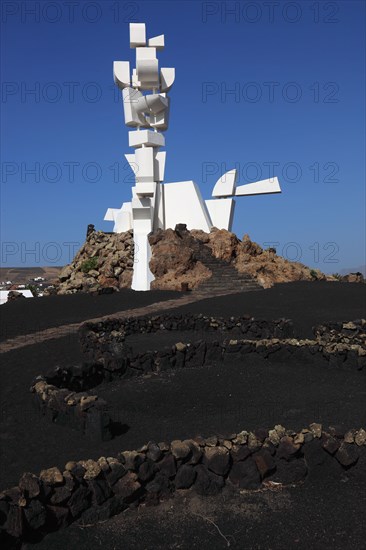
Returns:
(306,303)
(314,516)
(183,403)
(34,314)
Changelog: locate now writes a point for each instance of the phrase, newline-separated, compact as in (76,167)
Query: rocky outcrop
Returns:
(179,257)
(353,278)
(104,261)
(264,266)
(174,262)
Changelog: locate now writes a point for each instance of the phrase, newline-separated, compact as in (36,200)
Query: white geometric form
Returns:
(157,42)
(142,276)
(121,74)
(111,214)
(144,159)
(225,186)
(137,35)
(167,77)
(159,167)
(123,221)
(259,187)
(147,72)
(183,203)
(154,204)
(133,117)
(146,138)
(221,212)
(131,161)
(145,53)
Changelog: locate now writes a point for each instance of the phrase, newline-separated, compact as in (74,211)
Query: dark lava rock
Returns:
(185,477)
(330,443)
(264,462)
(101,513)
(79,501)
(347,454)
(180,449)
(127,487)
(241,453)
(207,483)
(289,471)
(153,452)
(15,521)
(147,470)
(30,485)
(99,490)
(160,485)
(115,473)
(60,494)
(167,466)
(245,474)
(217,459)
(287,448)
(35,514)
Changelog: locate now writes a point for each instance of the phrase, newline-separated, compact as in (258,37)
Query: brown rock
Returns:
(51,476)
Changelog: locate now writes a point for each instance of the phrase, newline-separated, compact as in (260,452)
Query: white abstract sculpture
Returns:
(155,205)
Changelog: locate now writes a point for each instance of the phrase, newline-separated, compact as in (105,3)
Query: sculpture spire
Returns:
(155,205)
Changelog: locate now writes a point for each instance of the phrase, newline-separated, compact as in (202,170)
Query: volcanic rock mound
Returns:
(194,258)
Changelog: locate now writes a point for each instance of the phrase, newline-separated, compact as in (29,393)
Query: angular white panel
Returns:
(167,77)
(225,186)
(111,214)
(131,161)
(157,103)
(121,74)
(183,203)
(137,35)
(160,121)
(144,160)
(145,137)
(259,187)
(159,165)
(221,212)
(145,53)
(142,276)
(123,220)
(135,81)
(159,215)
(148,73)
(145,189)
(157,42)
(133,117)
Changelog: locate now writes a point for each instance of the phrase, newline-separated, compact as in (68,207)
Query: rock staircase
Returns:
(224,276)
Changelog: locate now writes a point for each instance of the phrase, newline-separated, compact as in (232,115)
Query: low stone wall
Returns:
(63,395)
(105,340)
(348,332)
(78,410)
(96,490)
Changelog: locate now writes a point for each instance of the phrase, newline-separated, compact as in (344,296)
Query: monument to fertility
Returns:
(154,204)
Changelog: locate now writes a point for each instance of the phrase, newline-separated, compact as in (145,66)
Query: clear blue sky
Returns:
(297,70)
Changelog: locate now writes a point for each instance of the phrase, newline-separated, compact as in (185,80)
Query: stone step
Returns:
(224,275)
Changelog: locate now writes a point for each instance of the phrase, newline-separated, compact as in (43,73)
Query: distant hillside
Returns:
(21,275)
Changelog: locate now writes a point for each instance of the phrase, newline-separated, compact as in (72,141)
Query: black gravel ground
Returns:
(32,315)
(314,516)
(306,303)
(209,400)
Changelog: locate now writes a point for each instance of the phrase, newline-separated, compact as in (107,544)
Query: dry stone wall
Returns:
(94,490)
